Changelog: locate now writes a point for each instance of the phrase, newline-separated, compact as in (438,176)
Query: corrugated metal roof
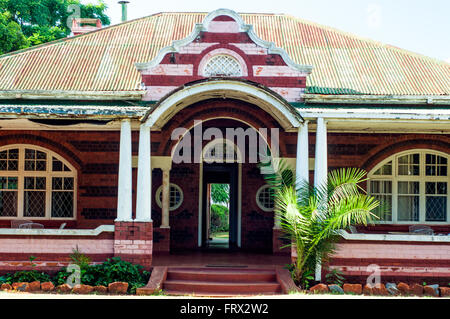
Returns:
(104,60)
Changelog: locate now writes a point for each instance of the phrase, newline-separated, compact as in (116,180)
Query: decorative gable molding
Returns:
(223,32)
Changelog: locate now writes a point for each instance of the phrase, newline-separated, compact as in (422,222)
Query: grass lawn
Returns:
(220,235)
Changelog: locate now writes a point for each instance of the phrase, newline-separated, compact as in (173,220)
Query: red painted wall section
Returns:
(223,38)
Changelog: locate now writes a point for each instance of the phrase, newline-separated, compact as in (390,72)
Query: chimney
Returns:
(84,25)
(124,10)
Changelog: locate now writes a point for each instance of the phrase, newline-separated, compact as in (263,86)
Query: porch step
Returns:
(217,282)
(222,275)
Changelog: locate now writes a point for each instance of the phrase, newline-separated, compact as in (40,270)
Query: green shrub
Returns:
(24,276)
(335,276)
(113,269)
(219,218)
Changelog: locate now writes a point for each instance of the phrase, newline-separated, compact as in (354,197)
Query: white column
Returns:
(321,161)
(165,198)
(124,195)
(320,169)
(302,162)
(144,178)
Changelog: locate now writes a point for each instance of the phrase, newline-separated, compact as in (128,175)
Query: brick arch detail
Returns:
(44,142)
(411,144)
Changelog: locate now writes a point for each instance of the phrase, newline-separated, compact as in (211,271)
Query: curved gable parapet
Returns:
(224,29)
(271,102)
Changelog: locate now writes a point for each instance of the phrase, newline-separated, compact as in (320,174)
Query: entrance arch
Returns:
(236,173)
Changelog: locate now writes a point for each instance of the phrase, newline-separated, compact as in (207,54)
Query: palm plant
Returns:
(312,217)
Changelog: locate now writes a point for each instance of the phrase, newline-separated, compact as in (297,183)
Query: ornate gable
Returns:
(223,46)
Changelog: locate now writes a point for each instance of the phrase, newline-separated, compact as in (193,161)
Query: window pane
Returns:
(435,165)
(386,169)
(8,203)
(382,191)
(408,208)
(35,160)
(408,187)
(34,183)
(57,166)
(62,204)
(9,160)
(436,208)
(34,204)
(409,164)
(8,196)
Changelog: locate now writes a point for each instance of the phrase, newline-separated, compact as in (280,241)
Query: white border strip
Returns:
(391,237)
(57,232)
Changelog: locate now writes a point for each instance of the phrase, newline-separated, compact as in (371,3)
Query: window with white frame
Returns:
(413,187)
(35,183)
(265,198)
(175,196)
(222,65)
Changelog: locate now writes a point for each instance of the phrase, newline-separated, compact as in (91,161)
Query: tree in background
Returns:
(220,193)
(40,21)
(11,36)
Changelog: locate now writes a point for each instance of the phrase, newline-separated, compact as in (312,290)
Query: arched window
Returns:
(222,65)
(413,187)
(35,183)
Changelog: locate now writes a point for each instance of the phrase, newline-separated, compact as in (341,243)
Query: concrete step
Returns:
(222,275)
(215,294)
(232,288)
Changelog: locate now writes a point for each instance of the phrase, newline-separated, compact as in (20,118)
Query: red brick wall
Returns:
(412,262)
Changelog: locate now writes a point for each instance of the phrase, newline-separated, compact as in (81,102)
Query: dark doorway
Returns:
(224,174)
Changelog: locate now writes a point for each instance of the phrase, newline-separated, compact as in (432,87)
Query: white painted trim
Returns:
(203,27)
(200,203)
(277,107)
(21,173)
(239,221)
(144,178)
(57,232)
(391,237)
(71,95)
(374,113)
(378,99)
(124,187)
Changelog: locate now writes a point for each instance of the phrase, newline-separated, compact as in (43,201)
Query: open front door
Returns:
(226,236)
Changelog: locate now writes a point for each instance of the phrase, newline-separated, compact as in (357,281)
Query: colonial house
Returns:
(108,140)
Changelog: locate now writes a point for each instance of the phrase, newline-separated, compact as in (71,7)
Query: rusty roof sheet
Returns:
(104,60)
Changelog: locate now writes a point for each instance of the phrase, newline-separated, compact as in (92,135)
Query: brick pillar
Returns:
(133,242)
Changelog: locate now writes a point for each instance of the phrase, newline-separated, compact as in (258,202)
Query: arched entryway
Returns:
(218,104)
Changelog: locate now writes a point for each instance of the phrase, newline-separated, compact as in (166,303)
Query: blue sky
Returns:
(416,25)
